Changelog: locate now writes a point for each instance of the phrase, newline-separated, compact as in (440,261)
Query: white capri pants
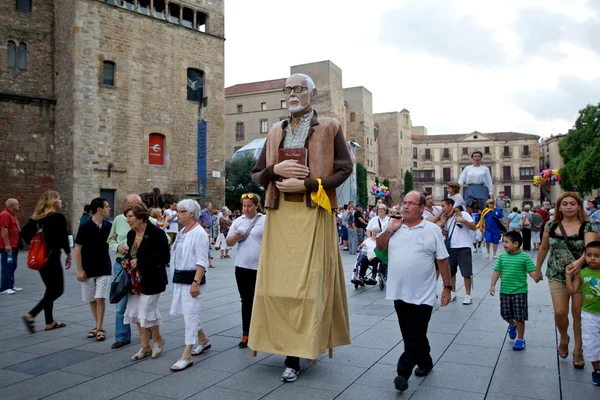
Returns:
(188,306)
(590,333)
(193,324)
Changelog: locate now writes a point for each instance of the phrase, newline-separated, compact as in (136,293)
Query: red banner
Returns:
(156,149)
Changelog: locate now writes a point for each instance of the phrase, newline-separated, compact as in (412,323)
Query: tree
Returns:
(580,150)
(408,182)
(388,198)
(362,194)
(238,181)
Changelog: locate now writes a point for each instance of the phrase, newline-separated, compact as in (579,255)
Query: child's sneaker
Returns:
(512,331)
(519,345)
(596,377)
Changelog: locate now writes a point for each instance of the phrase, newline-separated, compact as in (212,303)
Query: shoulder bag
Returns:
(250,229)
(448,240)
(566,238)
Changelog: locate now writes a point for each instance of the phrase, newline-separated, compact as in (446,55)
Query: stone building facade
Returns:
(124,102)
(512,158)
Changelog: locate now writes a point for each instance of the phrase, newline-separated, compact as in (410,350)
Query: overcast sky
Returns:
(457,65)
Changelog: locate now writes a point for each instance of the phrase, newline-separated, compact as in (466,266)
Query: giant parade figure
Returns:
(300,306)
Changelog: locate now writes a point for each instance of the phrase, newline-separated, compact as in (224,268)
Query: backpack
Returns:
(37,257)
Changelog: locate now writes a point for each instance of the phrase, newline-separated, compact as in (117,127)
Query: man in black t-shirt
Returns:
(360,222)
(93,263)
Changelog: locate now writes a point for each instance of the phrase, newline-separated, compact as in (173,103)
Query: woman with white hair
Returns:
(380,222)
(189,260)
(367,258)
(224,225)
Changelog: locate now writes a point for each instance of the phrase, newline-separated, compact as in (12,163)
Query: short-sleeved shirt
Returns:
(206,218)
(378,223)
(514,220)
(590,288)
(461,237)
(560,255)
(459,201)
(9,221)
(435,210)
(513,270)
(359,224)
(248,251)
(493,219)
(95,259)
(411,268)
(173,225)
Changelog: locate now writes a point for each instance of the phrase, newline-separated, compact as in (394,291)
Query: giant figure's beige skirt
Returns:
(300,305)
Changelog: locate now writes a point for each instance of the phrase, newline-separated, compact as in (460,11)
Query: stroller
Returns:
(380,279)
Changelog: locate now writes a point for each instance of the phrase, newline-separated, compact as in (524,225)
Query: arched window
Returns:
(12,54)
(108,73)
(195,84)
(24,5)
(22,56)
(156,149)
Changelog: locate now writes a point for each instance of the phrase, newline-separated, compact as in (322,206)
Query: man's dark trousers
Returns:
(413,321)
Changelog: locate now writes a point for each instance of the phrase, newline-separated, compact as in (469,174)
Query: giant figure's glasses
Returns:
(296,89)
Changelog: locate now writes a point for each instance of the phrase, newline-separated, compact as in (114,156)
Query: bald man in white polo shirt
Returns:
(413,244)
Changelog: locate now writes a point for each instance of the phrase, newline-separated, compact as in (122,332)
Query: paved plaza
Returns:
(473,355)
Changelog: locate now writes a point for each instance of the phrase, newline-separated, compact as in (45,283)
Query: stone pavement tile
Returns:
(52,362)
(471,355)
(474,337)
(366,392)
(569,373)
(106,387)
(444,327)
(357,330)
(10,333)
(220,393)
(53,346)
(260,379)
(363,319)
(382,376)
(43,385)
(388,327)
(329,376)
(135,395)
(424,392)
(472,378)
(183,384)
(534,356)
(374,339)
(392,356)
(517,379)
(9,377)
(355,356)
(14,357)
(22,341)
(492,323)
(580,391)
(501,396)
(296,392)
(104,347)
(235,332)
(105,364)
(232,360)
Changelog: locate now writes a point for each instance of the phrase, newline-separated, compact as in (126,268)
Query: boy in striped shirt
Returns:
(513,266)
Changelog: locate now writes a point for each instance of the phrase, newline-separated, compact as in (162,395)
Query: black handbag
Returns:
(120,287)
(186,277)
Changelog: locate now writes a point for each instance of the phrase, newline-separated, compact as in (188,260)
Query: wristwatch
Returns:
(449,287)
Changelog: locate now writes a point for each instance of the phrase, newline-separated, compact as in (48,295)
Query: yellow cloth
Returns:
(300,305)
(320,198)
(481,223)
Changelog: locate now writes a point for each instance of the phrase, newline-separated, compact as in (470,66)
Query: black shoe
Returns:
(401,383)
(244,343)
(422,371)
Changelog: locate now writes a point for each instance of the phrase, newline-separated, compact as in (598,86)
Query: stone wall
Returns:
(112,124)
(389,151)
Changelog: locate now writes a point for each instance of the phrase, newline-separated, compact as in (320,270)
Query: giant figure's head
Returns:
(299,90)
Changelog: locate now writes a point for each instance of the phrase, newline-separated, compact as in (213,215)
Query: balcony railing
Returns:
(425,180)
(507,179)
(526,177)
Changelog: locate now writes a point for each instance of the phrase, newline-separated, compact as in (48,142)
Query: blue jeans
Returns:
(8,270)
(122,331)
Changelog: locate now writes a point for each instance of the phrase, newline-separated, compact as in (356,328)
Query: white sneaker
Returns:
(495,257)
(289,375)
(487,255)
(467,300)
(17,289)
(452,296)
(8,291)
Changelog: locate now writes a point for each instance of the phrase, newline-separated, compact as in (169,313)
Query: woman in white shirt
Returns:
(381,221)
(478,180)
(247,231)
(368,258)
(189,259)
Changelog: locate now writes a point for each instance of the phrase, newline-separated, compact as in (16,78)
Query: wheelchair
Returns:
(380,279)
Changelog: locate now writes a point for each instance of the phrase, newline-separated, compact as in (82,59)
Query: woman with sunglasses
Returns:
(189,260)
(247,232)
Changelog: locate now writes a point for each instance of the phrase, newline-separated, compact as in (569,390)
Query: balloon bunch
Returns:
(547,177)
(380,191)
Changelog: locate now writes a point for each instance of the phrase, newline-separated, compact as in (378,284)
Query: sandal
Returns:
(180,365)
(563,349)
(158,348)
(92,334)
(100,335)
(578,361)
(141,354)
(222,257)
(196,351)
(56,325)
(29,324)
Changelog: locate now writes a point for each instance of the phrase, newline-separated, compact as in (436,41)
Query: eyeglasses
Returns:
(247,196)
(182,211)
(296,89)
(410,203)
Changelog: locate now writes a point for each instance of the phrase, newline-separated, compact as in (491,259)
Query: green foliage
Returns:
(388,198)
(377,181)
(362,194)
(408,182)
(238,181)
(580,150)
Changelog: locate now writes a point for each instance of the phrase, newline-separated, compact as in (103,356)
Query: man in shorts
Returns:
(93,263)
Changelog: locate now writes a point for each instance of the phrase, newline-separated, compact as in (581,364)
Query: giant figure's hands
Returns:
(291,185)
(291,169)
